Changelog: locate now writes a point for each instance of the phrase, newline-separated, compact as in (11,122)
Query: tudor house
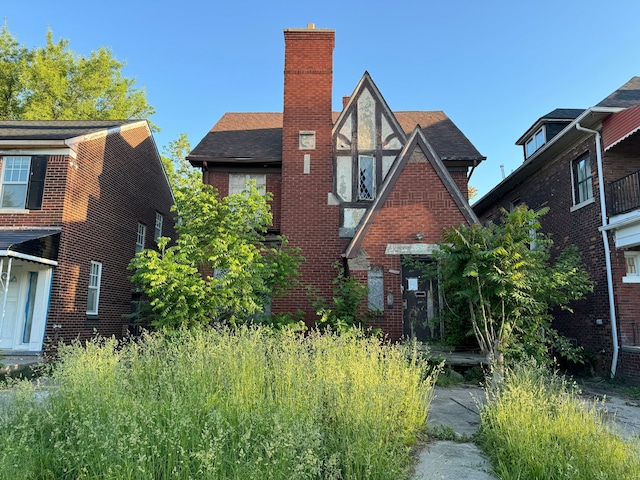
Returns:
(365,187)
(77,200)
(585,165)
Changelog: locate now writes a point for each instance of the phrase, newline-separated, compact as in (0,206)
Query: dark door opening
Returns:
(420,299)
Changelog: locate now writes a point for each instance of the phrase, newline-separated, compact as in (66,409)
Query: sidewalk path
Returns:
(455,408)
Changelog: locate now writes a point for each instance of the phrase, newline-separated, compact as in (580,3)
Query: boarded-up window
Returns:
(238,182)
(376,289)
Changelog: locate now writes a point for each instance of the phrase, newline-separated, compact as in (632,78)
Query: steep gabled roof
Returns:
(416,140)
(366,82)
(257,136)
(55,129)
(443,135)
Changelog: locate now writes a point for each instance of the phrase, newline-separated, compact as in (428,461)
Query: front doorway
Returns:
(24,297)
(420,299)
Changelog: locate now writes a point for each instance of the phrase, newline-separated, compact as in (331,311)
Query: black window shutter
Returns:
(36,182)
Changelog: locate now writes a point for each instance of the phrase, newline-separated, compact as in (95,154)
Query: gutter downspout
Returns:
(607,253)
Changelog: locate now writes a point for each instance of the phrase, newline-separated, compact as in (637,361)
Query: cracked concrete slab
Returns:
(456,408)
(452,460)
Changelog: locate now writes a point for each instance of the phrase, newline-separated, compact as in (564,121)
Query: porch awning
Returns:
(37,245)
(619,126)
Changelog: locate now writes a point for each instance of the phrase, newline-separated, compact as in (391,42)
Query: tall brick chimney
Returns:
(309,217)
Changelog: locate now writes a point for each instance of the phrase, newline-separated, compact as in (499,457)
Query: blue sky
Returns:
(493,66)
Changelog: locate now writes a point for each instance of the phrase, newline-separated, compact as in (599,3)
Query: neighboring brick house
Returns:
(366,186)
(77,200)
(583,165)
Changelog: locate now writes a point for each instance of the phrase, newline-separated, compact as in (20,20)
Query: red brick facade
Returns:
(97,194)
(317,202)
(307,220)
(551,186)
(418,203)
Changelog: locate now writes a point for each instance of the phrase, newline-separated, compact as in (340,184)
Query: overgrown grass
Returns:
(536,427)
(205,404)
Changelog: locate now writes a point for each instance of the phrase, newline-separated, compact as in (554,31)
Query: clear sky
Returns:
(494,66)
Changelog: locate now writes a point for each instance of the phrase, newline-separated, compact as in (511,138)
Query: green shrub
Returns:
(216,404)
(536,427)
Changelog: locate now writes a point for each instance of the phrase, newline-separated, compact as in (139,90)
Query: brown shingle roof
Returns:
(241,137)
(257,137)
(443,135)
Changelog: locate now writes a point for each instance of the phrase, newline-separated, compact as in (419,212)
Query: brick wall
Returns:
(630,364)
(551,187)
(307,219)
(418,203)
(114,183)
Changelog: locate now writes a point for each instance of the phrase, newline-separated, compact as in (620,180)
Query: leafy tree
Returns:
(221,269)
(12,60)
(55,83)
(179,172)
(499,278)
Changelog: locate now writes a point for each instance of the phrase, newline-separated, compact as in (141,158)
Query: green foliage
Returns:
(348,296)
(446,433)
(286,321)
(498,281)
(55,83)
(179,171)
(249,403)
(535,426)
(220,269)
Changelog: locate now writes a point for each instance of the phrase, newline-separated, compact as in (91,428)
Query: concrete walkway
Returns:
(454,409)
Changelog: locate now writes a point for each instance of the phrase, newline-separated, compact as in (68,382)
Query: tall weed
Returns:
(205,404)
(536,427)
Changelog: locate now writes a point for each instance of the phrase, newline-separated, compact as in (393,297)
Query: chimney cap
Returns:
(310,27)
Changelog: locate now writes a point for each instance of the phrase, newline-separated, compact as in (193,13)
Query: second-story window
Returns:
(582,180)
(140,236)
(535,142)
(366,178)
(22,182)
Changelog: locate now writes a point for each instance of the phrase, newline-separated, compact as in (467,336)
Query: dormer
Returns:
(547,127)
